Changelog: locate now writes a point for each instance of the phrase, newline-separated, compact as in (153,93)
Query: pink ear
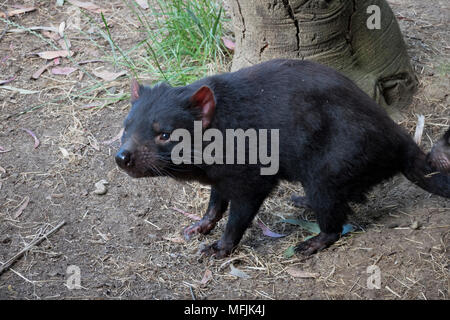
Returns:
(134,90)
(203,98)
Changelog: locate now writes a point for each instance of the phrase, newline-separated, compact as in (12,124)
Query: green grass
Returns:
(181,38)
(180,43)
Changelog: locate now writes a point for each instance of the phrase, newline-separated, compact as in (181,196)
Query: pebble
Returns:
(415,225)
(100,187)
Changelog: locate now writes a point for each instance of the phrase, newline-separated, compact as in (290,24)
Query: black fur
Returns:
(334,139)
(439,157)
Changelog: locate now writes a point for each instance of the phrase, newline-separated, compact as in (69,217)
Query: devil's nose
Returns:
(123,159)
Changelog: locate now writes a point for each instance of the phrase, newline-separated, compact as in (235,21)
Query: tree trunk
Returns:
(331,32)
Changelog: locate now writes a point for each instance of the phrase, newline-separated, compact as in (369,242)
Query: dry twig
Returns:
(36,241)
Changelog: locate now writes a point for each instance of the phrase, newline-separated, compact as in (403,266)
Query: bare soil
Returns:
(127,244)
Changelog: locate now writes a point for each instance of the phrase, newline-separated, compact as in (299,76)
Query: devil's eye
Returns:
(164,136)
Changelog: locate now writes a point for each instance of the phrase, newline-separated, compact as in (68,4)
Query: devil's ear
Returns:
(135,90)
(203,99)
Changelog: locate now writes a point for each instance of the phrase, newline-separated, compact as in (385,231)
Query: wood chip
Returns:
(87,5)
(22,207)
(14,12)
(63,70)
(41,70)
(49,55)
(297,273)
(238,273)
(107,75)
(207,276)
(143,4)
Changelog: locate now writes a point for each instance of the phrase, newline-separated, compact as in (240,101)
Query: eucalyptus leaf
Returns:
(307,225)
(289,252)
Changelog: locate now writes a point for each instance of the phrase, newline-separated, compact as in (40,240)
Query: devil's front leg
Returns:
(216,208)
(241,215)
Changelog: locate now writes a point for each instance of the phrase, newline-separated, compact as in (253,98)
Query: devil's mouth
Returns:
(148,172)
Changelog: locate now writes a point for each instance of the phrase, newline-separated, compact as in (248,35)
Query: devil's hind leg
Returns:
(331,213)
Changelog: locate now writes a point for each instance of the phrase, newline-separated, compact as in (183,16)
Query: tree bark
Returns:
(331,32)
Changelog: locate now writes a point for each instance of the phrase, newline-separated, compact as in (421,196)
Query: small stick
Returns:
(6,26)
(392,291)
(192,293)
(152,224)
(419,129)
(8,263)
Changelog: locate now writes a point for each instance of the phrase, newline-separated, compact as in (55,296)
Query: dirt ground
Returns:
(126,243)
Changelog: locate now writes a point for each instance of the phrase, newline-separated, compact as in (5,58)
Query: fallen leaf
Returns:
(107,75)
(207,276)
(187,214)
(22,207)
(61,28)
(90,105)
(3,150)
(290,251)
(4,59)
(7,80)
(31,133)
(63,71)
(87,5)
(297,273)
(49,55)
(90,61)
(41,70)
(143,4)
(268,232)
(314,227)
(307,225)
(229,44)
(34,28)
(19,90)
(238,273)
(64,152)
(15,12)
(117,137)
(175,239)
(348,228)
(52,35)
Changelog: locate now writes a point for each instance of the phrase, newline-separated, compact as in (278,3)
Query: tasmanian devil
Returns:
(439,157)
(333,138)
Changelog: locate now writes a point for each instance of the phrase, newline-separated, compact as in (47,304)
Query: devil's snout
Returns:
(124,159)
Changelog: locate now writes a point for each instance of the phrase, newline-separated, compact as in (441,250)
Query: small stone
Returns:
(100,187)
(415,225)
(53,273)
